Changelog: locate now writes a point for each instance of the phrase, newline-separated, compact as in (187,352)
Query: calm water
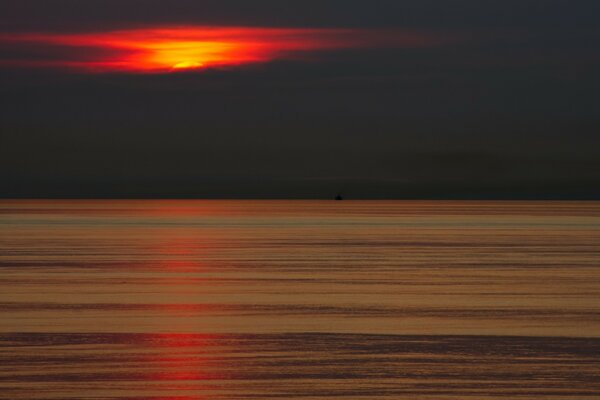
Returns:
(186,300)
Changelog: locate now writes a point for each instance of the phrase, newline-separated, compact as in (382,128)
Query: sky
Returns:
(300,99)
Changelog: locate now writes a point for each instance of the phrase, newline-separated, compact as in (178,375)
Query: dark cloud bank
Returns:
(507,110)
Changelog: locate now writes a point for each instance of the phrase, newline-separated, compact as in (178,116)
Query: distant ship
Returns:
(339,197)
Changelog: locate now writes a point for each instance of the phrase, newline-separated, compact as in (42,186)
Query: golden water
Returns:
(187,300)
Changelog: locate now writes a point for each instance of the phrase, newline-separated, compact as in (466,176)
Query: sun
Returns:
(184,54)
(188,65)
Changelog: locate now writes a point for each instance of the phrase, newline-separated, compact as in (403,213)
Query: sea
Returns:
(244,299)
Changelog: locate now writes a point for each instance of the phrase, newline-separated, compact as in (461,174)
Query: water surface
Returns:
(299,300)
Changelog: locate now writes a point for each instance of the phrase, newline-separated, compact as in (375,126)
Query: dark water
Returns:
(299,300)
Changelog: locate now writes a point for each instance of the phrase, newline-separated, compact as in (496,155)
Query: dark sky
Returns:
(505,105)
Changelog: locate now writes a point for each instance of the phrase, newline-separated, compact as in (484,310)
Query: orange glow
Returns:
(189,48)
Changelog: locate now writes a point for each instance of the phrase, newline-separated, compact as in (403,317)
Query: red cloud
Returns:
(180,48)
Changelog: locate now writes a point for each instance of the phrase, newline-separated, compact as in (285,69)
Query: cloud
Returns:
(165,49)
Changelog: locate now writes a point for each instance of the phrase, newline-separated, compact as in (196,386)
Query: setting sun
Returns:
(188,65)
(186,54)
